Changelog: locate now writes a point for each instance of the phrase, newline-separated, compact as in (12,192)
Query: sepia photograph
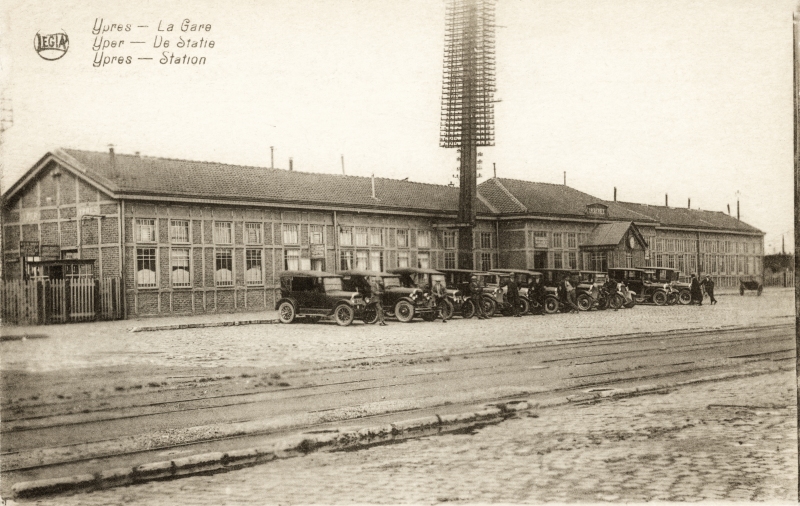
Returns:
(398,251)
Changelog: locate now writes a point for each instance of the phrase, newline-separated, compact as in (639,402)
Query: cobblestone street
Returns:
(101,344)
(731,440)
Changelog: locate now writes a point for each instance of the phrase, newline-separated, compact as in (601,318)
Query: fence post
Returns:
(67,299)
(98,307)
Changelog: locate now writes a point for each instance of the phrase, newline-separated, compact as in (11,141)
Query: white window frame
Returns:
(140,259)
(290,234)
(256,227)
(143,224)
(179,226)
(253,276)
(223,232)
(220,276)
(402,233)
(176,256)
(423,239)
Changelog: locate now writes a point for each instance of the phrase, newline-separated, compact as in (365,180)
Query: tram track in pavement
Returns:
(777,337)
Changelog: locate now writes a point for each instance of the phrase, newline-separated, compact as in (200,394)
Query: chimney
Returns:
(729,209)
(272,157)
(783,245)
(689,205)
(615,194)
(373,187)
(494,166)
(737,209)
(565,178)
(666,200)
(291,163)
(113,160)
(138,154)
(343,165)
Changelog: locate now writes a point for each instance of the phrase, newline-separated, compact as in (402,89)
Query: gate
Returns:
(61,301)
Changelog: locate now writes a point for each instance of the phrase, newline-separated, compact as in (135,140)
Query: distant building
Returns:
(192,237)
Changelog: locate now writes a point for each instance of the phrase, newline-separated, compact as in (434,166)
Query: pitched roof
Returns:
(689,218)
(608,234)
(527,197)
(144,175)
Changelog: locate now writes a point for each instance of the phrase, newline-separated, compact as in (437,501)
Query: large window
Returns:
(145,230)
(345,236)
(449,239)
(361,236)
(179,231)
(449,259)
(572,240)
(402,238)
(486,240)
(362,259)
(346,260)
(291,259)
(486,261)
(423,260)
(402,259)
(423,239)
(556,240)
(558,260)
(599,261)
(222,232)
(376,260)
(572,260)
(315,234)
(252,233)
(253,274)
(223,273)
(291,234)
(376,237)
(146,268)
(179,260)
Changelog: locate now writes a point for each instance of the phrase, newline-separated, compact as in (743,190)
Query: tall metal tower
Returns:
(467,120)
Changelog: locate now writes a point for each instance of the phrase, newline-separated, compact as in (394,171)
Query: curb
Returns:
(179,326)
(334,439)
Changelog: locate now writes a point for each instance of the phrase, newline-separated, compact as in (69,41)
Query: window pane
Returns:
(179,231)
(361,236)
(402,259)
(376,260)
(290,233)
(291,259)
(252,233)
(346,260)
(423,239)
(362,260)
(402,239)
(449,259)
(145,230)
(222,232)
(315,234)
(375,237)
(423,260)
(146,267)
(346,237)
(179,260)
(223,275)
(253,274)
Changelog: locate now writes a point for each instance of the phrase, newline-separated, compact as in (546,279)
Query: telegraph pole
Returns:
(795,42)
(467,118)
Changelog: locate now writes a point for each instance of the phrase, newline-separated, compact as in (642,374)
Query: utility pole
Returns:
(795,42)
(467,117)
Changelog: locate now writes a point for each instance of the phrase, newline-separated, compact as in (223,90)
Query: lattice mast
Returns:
(467,116)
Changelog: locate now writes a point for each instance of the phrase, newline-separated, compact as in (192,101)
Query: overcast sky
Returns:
(687,97)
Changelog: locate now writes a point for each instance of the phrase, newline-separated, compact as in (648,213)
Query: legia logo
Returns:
(51,46)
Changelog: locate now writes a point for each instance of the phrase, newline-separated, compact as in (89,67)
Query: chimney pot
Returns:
(666,200)
(291,163)
(615,194)
(689,204)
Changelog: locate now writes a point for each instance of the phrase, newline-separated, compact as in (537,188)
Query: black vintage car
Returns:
(644,290)
(420,280)
(317,294)
(583,289)
(458,279)
(522,278)
(661,275)
(402,302)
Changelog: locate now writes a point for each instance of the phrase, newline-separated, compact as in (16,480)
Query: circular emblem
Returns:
(632,241)
(51,46)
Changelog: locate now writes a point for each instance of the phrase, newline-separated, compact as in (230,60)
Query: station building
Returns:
(187,237)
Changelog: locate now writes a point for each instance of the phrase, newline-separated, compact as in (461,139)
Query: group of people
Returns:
(697,288)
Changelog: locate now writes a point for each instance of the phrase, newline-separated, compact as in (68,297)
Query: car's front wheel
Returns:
(660,298)
(524,306)
(489,307)
(404,311)
(447,309)
(467,309)
(551,305)
(370,314)
(344,315)
(286,312)
(585,302)
(685,297)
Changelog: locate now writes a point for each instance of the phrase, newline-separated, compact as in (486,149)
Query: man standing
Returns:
(475,292)
(440,293)
(512,293)
(376,293)
(697,293)
(569,296)
(708,284)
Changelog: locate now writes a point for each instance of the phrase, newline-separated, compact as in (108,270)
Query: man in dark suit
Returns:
(708,284)
(697,293)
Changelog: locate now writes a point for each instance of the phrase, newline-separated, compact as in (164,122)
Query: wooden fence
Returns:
(61,301)
(785,278)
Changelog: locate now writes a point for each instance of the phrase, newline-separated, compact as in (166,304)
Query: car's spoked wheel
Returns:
(685,297)
(286,312)
(584,302)
(370,314)
(551,305)
(447,309)
(524,306)
(404,311)
(344,315)
(489,307)
(616,301)
(660,298)
(468,309)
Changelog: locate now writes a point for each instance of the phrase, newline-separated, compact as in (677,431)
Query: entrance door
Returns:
(539,260)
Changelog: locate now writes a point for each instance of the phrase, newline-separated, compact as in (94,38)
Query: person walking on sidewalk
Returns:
(696,291)
(475,293)
(708,284)
(376,292)
(440,293)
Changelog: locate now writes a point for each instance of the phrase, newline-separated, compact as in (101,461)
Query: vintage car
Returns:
(317,294)
(751,283)
(420,279)
(644,291)
(589,290)
(400,301)
(681,291)
(458,279)
(583,288)
(523,279)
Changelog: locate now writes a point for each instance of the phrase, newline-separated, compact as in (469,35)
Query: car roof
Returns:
(359,272)
(470,271)
(559,270)
(595,272)
(625,269)
(516,271)
(309,274)
(413,270)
